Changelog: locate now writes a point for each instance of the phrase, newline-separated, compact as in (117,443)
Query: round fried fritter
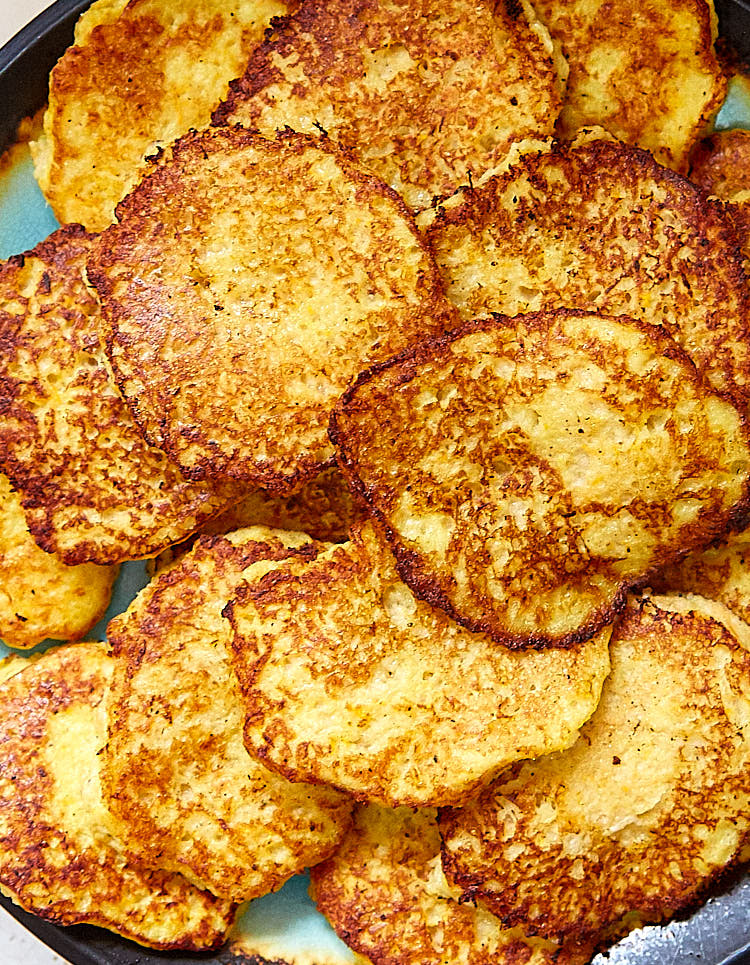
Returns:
(646,808)
(385,894)
(601,225)
(60,856)
(41,597)
(426,93)
(349,679)
(91,488)
(176,772)
(528,471)
(248,281)
(138,75)
(645,71)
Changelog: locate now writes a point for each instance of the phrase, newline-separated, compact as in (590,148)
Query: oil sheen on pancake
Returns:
(349,679)
(138,75)
(385,894)
(529,471)
(647,71)
(646,809)
(176,773)
(426,94)
(60,856)
(601,225)
(40,596)
(247,282)
(91,488)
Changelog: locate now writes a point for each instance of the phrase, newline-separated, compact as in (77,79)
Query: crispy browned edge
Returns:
(237,136)
(408,563)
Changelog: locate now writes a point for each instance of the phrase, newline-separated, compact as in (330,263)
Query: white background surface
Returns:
(18,946)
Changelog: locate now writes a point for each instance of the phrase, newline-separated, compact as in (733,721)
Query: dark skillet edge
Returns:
(27,59)
(89,945)
(734,24)
(25,63)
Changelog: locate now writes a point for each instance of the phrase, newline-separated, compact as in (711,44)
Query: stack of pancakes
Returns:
(421,370)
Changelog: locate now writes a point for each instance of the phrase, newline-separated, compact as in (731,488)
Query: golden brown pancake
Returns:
(350,680)
(647,72)
(646,809)
(600,225)
(246,284)
(91,488)
(40,596)
(427,95)
(138,75)
(176,772)
(385,894)
(527,472)
(60,857)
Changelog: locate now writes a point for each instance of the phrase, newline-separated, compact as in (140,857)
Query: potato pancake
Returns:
(385,894)
(246,284)
(646,809)
(600,225)
(165,64)
(350,680)
(91,488)
(425,94)
(60,856)
(646,72)
(720,164)
(527,472)
(176,773)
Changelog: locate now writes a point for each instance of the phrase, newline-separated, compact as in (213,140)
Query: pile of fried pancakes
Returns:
(410,342)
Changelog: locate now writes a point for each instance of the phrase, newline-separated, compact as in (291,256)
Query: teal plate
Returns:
(285,927)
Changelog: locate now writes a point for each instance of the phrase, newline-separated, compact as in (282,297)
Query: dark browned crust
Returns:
(149,407)
(410,565)
(719,245)
(659,894)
